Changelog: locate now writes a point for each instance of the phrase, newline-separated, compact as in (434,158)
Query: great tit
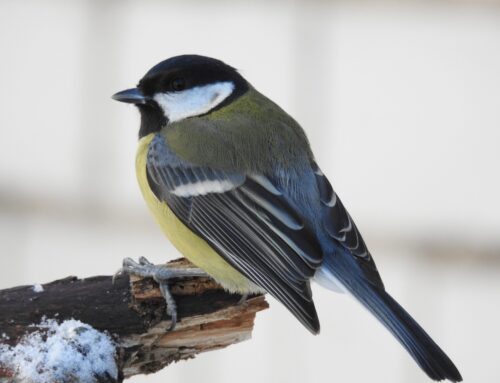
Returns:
(231,179)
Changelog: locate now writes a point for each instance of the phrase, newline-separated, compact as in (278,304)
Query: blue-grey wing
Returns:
(247,220)
(341,228)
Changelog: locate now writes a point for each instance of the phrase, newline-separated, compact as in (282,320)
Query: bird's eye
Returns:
(178,84)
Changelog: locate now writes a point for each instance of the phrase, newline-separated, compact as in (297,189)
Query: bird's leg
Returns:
(243,299)
(162,275)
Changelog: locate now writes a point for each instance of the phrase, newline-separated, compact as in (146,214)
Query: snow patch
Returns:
(71,351)
(38,288)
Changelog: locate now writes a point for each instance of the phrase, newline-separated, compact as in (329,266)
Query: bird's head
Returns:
(182,87)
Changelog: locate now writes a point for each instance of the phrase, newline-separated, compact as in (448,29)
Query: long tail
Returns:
(407,331)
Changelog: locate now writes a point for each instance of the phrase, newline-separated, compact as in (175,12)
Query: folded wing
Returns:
(246,219)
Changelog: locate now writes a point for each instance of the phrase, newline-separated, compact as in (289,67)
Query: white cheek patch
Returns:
(193,102)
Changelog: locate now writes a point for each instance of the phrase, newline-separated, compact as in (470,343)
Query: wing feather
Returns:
(341,228)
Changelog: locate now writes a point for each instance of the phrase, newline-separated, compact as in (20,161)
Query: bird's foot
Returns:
(162,275)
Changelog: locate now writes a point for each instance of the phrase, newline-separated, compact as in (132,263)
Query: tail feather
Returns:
(407,331)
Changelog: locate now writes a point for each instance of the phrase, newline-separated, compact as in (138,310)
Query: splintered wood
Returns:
(211,319)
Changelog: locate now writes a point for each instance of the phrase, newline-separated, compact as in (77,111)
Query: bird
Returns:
(232,181)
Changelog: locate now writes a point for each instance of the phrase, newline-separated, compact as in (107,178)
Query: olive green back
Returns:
(250,134)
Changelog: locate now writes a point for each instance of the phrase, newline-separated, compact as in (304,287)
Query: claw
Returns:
(117,274)
(243,299)
(144,261)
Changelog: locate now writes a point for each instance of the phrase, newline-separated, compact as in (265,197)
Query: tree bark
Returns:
(132,311)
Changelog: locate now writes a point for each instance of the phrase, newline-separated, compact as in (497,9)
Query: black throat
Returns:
(152,119)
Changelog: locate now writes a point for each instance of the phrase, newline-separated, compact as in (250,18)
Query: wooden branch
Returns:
(133,312)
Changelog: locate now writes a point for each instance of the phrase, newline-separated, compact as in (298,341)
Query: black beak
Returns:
(132,96)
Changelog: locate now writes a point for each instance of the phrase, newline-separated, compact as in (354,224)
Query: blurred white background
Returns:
(401,102)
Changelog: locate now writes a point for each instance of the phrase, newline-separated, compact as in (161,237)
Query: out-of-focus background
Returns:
(401,102)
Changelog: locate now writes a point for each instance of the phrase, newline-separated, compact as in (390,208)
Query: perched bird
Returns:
(232,182)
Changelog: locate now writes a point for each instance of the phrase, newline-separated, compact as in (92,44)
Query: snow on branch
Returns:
(69,351)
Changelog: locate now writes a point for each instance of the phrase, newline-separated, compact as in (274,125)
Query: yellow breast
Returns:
(188,243)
